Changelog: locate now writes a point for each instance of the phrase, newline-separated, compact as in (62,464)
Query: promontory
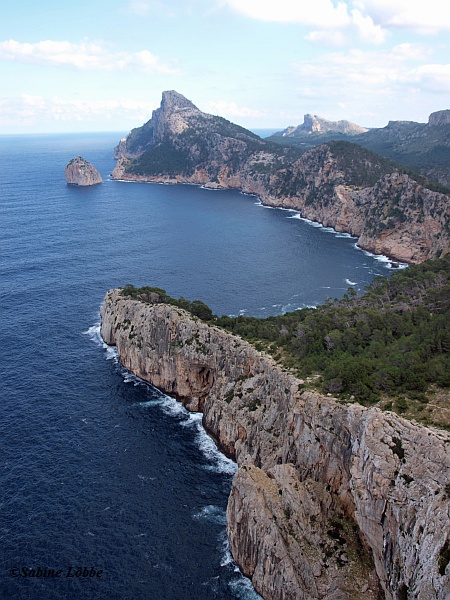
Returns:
(391,210)
(331,500)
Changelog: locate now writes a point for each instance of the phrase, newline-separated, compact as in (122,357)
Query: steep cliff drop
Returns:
(80,172)
(330,501)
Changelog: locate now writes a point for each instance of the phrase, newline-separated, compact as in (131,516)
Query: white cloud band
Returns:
(84,56)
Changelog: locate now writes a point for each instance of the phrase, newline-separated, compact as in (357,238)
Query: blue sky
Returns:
(101,65)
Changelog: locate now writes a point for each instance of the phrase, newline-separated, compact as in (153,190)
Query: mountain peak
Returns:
(172,100)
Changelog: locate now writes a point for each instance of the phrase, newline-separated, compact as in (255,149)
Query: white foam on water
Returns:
(312,223)
(129,377)
(172,407)
(94,335)
(350,282)
(212,513)
(240,586)
(243,589)
(388,262)
(226,558)
(344,235)
(217,461)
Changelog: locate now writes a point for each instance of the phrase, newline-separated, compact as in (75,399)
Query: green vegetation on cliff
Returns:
(155,295)
(392,342)
(391,345)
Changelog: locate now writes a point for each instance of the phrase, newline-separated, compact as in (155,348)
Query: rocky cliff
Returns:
(424,147)
(339,184)
(80,172)
(313,124)
(330,501)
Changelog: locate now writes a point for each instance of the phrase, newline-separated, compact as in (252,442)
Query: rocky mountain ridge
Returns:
(424,147)
(338,184)
(330,501)
(313,124)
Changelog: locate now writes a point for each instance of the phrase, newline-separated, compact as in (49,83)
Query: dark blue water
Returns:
(99,470)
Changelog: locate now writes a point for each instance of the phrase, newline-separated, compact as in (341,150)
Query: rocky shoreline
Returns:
(330,501)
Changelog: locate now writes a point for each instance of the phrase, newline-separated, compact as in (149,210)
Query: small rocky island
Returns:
(80,172)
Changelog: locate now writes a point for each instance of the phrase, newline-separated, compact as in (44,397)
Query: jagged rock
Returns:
(330,501)
(319,125)
(338,184)
(80,172)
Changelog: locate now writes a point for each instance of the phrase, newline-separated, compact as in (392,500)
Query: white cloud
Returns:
(422,17)
(139,8)
(367,30)
(320,13)
(372,18)
(83,56)
(432,77)
(371,82)
(327,38)
(231,110)
(29,110)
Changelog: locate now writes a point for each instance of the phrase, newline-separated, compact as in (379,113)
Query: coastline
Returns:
(299,454)
(401,263)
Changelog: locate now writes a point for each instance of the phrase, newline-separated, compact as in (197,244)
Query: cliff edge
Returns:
(330,501)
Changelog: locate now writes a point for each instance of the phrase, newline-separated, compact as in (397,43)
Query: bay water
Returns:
(100,473)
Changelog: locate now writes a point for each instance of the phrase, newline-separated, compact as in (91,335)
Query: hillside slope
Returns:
(424,147)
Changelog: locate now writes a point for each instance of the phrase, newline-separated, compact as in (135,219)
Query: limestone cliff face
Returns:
(338,184)
(80,172)
(330,501)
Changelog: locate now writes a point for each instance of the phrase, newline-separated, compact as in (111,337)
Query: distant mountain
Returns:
(337,183)
(424,147)
(179,137)
(314,124)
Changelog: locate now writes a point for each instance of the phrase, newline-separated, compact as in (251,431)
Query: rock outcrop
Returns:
(338,184)
(80,172)
(313,124)
(330,501)
(439,118)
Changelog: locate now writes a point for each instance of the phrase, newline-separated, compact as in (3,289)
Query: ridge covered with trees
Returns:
(390,346)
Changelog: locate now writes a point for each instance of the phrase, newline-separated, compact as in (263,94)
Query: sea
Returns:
(109,488)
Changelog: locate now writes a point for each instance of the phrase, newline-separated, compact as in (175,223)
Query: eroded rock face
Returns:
(330,501)
(80,172)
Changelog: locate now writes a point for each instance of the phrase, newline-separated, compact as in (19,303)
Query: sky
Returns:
(101,65)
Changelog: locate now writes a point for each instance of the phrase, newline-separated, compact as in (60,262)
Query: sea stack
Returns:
(80,172)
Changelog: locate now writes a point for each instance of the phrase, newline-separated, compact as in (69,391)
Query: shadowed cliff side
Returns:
(330,500)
